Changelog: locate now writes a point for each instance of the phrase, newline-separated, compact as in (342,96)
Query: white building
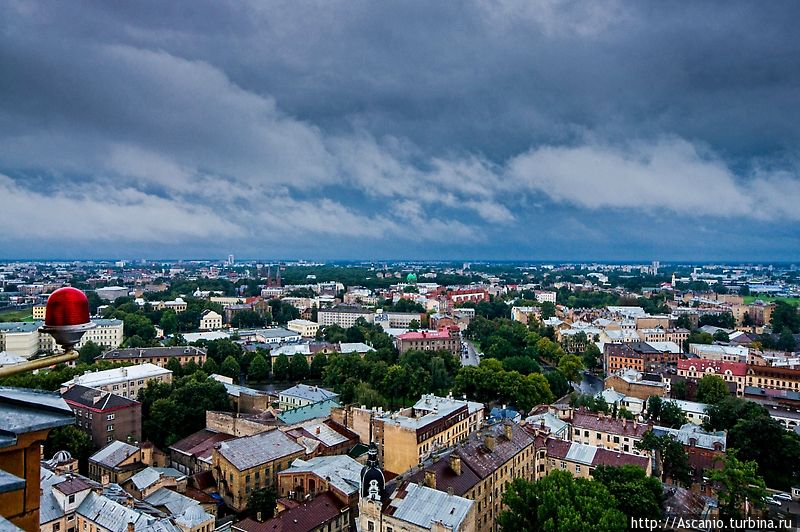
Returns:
(111,293)
(125,381)
(306,328)
(343,316)
(543,296)
(210,320)
(20,338)
(302,395)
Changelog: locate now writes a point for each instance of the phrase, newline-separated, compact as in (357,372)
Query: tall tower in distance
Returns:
(656,265)
(231,260)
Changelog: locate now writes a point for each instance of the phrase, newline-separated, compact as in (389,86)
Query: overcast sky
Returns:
(538,129)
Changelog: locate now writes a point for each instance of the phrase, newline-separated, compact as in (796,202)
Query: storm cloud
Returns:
(487,129)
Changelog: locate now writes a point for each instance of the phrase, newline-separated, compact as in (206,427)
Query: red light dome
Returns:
(66,307)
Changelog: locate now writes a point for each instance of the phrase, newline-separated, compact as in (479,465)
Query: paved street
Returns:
(469,356)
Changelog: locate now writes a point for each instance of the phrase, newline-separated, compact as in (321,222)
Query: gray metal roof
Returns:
(424,506)
(113,453)
(342,471)
(9,482)
(251,451)
(582,454)
(23,411)
(49,509)
(309,393)
(145,478)
(115,517)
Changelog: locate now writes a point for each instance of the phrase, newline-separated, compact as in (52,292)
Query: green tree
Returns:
(262,503)
(169,322)
(786,341)
(210,366)
(637,495)
(592,357)
(368,396)
(548,310)
(230,368)
(679,390)
(69,438)
(298,367)
(739,485)
(317,366)
(558,383)
(280,368)
(247,318)
(726,413)
(671,454)
(785,316)
(776,450)
(259,368)
(721,336)
(174,365)
(560,502)
(413,325)
(571,365)
(89,352)
(671,415)
(712,389)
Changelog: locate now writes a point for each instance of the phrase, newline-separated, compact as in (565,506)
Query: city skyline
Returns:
(507,130)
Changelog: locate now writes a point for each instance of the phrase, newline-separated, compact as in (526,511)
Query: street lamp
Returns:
(66,319)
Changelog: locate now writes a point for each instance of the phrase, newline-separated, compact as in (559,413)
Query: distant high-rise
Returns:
(656,264)
(231,260)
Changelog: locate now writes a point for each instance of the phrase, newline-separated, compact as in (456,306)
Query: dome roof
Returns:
(62,456)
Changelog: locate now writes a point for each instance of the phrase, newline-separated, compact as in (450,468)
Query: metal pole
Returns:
(38,363)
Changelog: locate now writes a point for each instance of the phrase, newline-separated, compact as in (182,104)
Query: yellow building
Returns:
(244,464)
(38,312)
(306,328)
(481,468)
(409,436)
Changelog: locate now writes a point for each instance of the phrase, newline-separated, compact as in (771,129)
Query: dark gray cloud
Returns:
(519,129)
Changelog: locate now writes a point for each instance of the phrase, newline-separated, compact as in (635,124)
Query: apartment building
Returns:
(243,464)
(158,356)
(409,436)
(105,416)
(106,333)
(734,373)
(20,338)
(721,353)
(481,468)
(117,462)
(306,328)
(344,315)
(773,378)
(581,459)
(125,381)
(415,508)
(600,430)
(640,356)
(446,338)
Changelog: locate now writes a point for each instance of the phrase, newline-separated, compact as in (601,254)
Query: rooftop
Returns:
(23,411)
(109,376)
(342,472)
(307,412)
(150,352)
(424,506)
(113,453)
(310,515)
(689,431)
(96,399)
(251,451)
(308,393)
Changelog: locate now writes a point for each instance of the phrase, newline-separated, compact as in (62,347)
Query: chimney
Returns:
(624,423)
(129,502)
(317,430)
(130,526)
(508,432)
(455,463)
(489,442)
(430,478)
(258,516)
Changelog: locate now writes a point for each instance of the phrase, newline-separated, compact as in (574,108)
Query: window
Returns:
(109,428)
(109,417)
(109,438)
(370,526)
(563,465)
(71,499)
(577,468)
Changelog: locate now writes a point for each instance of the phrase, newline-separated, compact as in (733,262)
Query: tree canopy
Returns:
(560,502)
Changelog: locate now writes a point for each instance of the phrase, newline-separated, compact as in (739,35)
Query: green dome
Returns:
(412,278)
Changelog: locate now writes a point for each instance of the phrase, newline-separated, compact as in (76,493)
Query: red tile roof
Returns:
(442,334)
(305,517)
(700,364)
(201,443)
